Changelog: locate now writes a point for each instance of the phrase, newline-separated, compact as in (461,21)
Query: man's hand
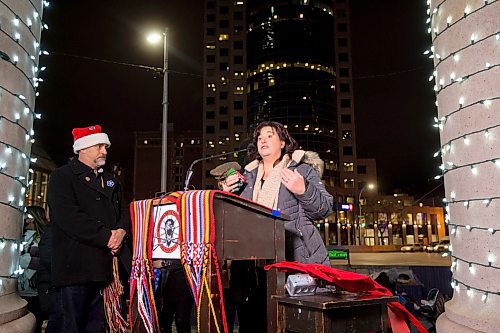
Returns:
(115,241)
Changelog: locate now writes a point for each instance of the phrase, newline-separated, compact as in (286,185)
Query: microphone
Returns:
(251,148)
(189,172)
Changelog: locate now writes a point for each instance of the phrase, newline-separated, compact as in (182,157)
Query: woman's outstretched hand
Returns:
(293,181)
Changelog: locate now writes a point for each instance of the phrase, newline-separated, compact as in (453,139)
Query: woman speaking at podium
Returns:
(287,179)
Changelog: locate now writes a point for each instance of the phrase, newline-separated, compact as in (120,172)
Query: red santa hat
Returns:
(89,136)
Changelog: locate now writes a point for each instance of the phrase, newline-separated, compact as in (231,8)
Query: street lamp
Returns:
(370,187)
(155,38)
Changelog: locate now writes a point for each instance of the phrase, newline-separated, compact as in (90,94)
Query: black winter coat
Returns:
(83,213)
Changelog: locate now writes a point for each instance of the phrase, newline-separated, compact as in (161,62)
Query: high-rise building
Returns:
(224,122)
(287,61)
(291,73)
(345,102)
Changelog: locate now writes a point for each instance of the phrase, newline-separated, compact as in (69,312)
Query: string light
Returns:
(467,136)
(467,12)
(21,58)
(454,229)
(464,155)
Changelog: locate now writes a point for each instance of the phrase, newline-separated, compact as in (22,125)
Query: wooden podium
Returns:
(244,230)
(247,231)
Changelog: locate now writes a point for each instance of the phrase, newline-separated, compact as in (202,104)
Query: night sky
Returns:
(394,102)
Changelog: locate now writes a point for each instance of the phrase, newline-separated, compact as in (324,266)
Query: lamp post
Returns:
(370,187)
(155,38)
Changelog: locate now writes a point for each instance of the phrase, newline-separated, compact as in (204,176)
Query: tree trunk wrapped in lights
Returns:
(21,26)
(466,54)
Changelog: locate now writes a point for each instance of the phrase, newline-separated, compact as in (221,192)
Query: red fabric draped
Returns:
(353,282)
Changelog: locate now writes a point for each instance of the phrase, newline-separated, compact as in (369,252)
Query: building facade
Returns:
(41,167)
(391,221)
(287,61)
(183,149)
(224,95)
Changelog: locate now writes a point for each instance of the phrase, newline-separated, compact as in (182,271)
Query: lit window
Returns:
(239,90)
(348,167)
(348,183)
(223,37)
(210,46)
(346,135)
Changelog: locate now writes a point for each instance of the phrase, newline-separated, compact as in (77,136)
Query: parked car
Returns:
(412,247)
(430,247)
(442,246)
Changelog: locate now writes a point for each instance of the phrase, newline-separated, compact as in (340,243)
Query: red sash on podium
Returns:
(197,224)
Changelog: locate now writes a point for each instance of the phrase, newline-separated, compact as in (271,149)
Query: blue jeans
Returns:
(80,308)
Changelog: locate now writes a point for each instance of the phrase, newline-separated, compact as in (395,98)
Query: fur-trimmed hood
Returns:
(298,156)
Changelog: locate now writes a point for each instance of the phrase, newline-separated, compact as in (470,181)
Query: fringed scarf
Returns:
(198,246)
(141,279)
(112,304)
(268,194)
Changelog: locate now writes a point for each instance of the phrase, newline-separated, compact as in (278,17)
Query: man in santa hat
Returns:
(91,226)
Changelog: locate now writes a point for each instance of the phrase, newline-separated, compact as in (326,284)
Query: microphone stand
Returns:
(189,172)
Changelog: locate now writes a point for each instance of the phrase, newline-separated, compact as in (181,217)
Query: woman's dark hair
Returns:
(290,144)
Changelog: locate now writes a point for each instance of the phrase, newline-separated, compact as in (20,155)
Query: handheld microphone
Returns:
(189,172)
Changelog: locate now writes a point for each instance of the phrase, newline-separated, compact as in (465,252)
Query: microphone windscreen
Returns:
(251,148)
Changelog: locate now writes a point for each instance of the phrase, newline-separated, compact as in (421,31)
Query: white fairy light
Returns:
(472,269)
(461,101)
(491,258)
(467,10)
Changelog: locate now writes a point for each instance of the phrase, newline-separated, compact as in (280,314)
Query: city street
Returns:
(396,259)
